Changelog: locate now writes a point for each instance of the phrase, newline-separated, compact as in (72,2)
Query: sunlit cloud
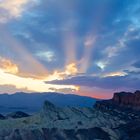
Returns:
(8,67)
(11,9)
(70,70)
(30,84)
(12,76)
(112,74)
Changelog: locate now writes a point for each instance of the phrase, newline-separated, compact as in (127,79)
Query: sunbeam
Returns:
(70,48)
(26,61)
(85,61)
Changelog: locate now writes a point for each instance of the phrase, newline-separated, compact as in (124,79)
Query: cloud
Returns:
(29,84)
(15,79)
(12,9)
(8,66)
(12,89)
(48,56)
(112,74)
(99,40)
(137,64)
(65,90)
(102,64)
(69,70)
(110,82)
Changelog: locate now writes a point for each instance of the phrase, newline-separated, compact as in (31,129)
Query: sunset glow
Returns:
(79,47)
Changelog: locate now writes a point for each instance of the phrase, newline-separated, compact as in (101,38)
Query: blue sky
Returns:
(83,47)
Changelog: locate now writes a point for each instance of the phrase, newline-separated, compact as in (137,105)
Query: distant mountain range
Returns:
(32,102)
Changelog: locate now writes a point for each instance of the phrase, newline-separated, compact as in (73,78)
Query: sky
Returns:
(84,47)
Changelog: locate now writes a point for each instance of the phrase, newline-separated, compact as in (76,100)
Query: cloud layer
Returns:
(112,82)
(89,44)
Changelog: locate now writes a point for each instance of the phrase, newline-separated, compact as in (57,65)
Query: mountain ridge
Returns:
(32,102)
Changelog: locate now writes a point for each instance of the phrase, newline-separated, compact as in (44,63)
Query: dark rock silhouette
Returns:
(17,114)
(2,117)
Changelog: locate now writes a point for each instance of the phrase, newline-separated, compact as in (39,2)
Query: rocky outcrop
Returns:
(127,99)
(58,134)
(121,100)
(55,123)
(124,105)
(17,114)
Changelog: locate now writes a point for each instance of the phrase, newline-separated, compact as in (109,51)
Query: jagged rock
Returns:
(18,114)
(2,117)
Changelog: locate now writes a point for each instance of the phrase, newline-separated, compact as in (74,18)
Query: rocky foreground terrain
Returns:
(115,119)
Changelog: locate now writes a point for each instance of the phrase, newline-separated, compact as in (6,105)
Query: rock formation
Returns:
(114,119)
(17,114)
(127,99)
(122,100)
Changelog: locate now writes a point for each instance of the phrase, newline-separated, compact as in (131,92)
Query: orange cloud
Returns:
(29,84)
(12,76)
(70,69)
(8,66)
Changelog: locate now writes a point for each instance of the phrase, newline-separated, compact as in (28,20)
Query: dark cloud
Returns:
(132,73)
(114,82)
(137,64)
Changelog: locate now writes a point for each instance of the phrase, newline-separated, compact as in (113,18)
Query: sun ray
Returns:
(27,62)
